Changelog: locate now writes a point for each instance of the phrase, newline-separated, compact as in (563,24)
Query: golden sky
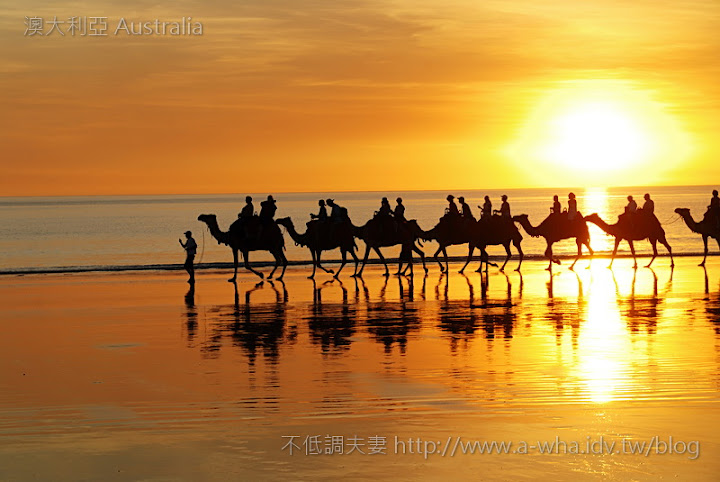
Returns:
(281,95)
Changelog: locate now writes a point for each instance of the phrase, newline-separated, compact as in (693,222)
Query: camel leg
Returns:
(277,263)
(342,265)
(422,256)
(579,247)
(365,258)
(382,258)
(284,262)
(612,258)
(587,245)
(235,264)
(440,248)
(509,255)
(312,253)
(352,252)
(632,250)
(664,242)
(248,267)
(520,253)
(704,236)
(485,258)
(549,254)
(471,248)
(653,242)
(447,268)
(320,265)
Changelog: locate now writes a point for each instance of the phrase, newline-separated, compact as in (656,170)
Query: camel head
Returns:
(208,218)
(520,218)
(593,218)
(286,222)
(211,221)
(682,211)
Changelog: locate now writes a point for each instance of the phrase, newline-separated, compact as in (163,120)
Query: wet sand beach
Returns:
(136,376)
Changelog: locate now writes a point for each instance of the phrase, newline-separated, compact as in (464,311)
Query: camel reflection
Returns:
(712,304)
(257,329)
(461,319)
(642,311)
(332,325)
(564,313)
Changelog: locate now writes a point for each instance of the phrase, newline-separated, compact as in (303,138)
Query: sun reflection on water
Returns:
(604,344)
(595,200)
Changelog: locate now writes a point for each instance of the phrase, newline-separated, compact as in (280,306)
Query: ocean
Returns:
(119,232)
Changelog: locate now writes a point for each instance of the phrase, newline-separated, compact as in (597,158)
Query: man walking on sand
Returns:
(190,247)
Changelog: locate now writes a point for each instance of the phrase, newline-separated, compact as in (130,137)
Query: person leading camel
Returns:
(190,247)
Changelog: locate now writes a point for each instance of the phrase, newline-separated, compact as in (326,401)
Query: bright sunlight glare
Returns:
(597,132)
(596,136)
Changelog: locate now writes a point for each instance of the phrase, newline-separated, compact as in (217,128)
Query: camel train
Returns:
(251,232)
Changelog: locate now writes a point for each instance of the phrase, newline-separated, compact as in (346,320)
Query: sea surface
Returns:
(110,374)
(111,232)
(595,374)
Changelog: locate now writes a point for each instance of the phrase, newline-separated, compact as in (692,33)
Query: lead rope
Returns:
(202,250)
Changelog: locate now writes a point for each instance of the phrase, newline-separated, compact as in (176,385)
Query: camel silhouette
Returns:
(375,234)
(324,236)
(448,232)
(708,228)
(557,227)
(635,228)
(494,230)
(271,240)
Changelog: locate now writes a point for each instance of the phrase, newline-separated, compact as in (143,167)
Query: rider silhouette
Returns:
(648,208)
(322,214)
(452,209)
(556,208)
(385,209)
(714,207)
(248,210)
(486,208)
(267,210)
(400,211)
(504,210)
(466,211)
(631,207)
(338,214)
(572,206)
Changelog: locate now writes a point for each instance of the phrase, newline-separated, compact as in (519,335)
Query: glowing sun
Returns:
(596,132)
(596,136)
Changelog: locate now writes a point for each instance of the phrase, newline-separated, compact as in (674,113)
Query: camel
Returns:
(324,236)
(270,240)
(634,229)
(494,231)
(708,227)
(448,232)
(557,227)
(376,234)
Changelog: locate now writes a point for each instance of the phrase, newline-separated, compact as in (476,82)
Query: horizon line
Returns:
(347,191)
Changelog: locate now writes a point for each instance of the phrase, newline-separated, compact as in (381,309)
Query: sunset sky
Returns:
(281,95)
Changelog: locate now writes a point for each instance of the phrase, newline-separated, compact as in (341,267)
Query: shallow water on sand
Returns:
(123,376)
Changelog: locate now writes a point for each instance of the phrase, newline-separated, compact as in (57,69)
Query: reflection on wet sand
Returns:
(596,311)
(487,355)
